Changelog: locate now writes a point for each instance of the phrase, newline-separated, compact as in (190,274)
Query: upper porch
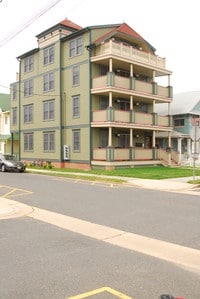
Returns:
(128,54)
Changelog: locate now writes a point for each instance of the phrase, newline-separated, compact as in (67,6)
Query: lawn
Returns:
(154,172)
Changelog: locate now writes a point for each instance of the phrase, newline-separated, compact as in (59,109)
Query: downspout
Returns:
(90,99)
(12,141)
(19,115)
(60,95)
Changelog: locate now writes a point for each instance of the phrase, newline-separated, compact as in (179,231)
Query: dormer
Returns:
(56,32)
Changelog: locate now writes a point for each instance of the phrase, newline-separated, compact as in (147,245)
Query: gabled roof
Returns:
(29,53)
(65,24)
(125,30)
(70,24)
(174,134)
(4,101)
(183,103)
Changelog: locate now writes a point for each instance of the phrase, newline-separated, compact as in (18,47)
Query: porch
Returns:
(112,157)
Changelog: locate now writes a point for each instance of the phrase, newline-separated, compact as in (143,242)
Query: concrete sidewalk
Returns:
(165,185)
(175,184)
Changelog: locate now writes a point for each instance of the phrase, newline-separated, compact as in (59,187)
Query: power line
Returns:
(28,22)
(33,94)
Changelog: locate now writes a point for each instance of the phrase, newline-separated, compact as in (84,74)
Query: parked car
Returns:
(10,163)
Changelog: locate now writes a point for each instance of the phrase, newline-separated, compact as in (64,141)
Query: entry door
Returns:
(148,141)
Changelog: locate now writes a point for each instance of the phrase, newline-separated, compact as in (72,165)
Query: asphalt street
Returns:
(65,237)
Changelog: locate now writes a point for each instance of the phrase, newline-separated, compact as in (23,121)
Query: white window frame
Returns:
(28,142)
(28,87)
(14,116)
(48,82)
(28,64)
(76,106)
(75,75)
(49,110)
(76,140)
(49,55)
(76,47)
(14,92)
(28,114)
(49,141)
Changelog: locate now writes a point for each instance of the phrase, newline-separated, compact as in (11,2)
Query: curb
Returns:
(12,209)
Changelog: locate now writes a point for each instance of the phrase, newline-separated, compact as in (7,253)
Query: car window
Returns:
(9,157)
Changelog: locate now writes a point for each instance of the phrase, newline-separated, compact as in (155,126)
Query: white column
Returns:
(169,139)
(110,136)
(179,145)
(131,102)
(110,65)
(110,99)
(154,139)
(131,137)
(131,70)
(189,147)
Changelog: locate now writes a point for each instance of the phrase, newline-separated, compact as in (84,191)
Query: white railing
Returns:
(124,83)
(126,51)
(141,118)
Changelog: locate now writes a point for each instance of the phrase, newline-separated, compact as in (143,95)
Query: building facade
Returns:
(5,136)
(185,112)
(85,97)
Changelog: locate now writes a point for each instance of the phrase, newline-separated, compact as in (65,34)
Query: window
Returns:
(48,82)
(76,47)
(124,105)
(179,122)
(103,70)
(76,140)
(28,64)
(49,110)
(76,106)
(124,140)
(49,55)
(14,116)
(28,113)
(103,103)
(103,141)
(76,75)
(144,107)
(49,141)
(28,142)
(6,120)
(14,92)
(28,88)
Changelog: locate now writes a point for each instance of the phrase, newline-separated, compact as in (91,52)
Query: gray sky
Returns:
(170,26)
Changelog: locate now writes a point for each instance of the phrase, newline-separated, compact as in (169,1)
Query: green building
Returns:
(85,97)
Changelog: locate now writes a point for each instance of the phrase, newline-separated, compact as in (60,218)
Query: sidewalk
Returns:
(175,184)
(178,184)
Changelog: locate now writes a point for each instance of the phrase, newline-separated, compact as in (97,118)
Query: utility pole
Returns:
(195,148)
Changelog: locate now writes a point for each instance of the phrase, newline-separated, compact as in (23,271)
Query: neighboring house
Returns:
(86,98)
(5,143)
(185,111)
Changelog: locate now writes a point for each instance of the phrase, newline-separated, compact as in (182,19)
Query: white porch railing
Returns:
(123,154)
(124,83)
(124,117)
(126,51)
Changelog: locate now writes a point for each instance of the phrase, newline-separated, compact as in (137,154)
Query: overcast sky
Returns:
(172,27)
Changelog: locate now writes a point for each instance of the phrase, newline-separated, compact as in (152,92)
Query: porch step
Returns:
(173,163)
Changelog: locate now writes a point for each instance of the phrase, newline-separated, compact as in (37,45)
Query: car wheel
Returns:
(3,169)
